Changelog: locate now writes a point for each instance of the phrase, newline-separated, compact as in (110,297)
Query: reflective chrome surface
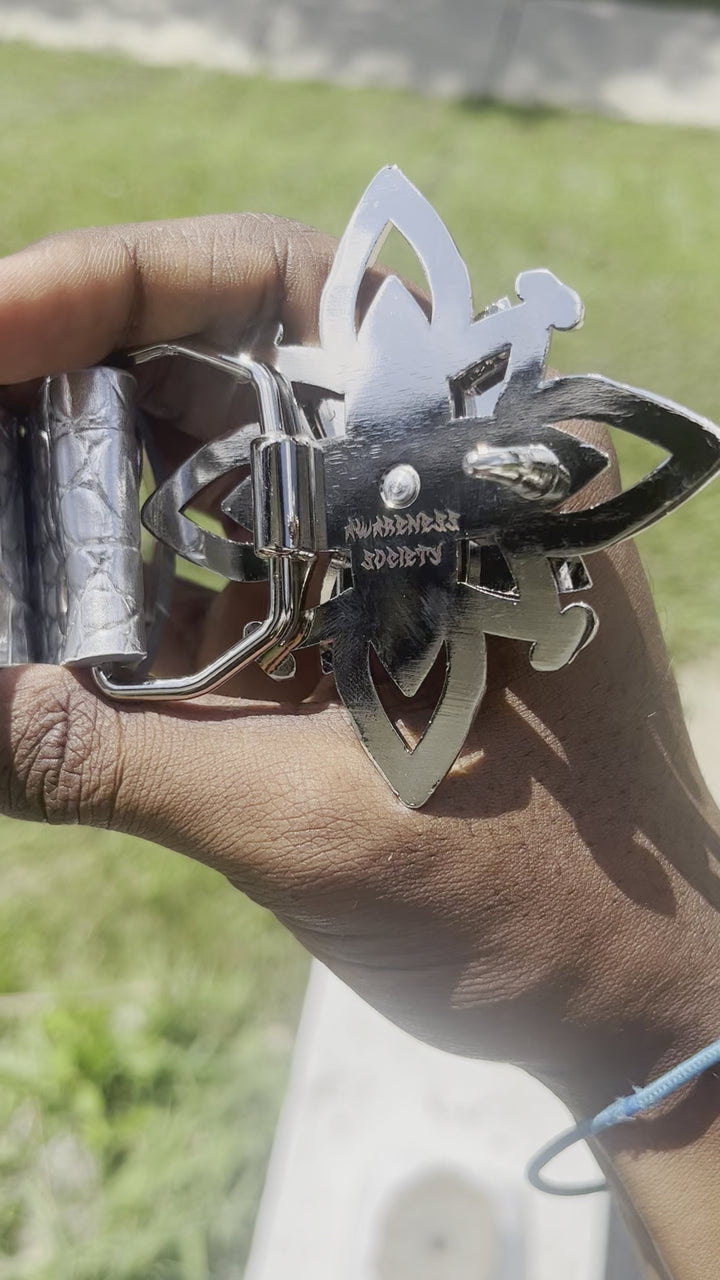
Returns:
(164,512)
(271,640)
(85,531)
(71,588)
(16,637)
(533,471)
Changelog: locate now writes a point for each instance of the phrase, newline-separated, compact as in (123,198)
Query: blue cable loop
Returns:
(619,1112)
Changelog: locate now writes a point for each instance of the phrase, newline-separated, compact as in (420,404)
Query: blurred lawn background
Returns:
(146,1010)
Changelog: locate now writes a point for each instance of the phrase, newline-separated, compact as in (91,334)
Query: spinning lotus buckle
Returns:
(419,462)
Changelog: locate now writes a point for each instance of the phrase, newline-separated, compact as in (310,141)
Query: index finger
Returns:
(69,300)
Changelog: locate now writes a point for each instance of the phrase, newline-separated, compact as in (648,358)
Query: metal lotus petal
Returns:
(414,773)
(163,513)
(692,444)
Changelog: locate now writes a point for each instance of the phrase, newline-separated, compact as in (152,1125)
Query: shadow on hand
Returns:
(605,738)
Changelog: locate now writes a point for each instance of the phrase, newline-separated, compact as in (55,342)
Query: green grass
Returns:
(146,1018)
(145,1009)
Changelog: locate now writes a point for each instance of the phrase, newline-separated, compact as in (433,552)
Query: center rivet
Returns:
(400,486)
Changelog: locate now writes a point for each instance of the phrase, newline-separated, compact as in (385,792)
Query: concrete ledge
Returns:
(643,63)
(394,1161)
(636,61)
(162,34)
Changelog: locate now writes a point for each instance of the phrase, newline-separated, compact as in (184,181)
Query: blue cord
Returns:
(619,1112)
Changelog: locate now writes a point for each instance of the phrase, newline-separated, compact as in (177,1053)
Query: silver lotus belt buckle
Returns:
(419,462)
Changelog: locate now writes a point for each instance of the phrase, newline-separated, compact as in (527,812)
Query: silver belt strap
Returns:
(71,577)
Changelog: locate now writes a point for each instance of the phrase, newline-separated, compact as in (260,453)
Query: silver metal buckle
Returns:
(425,456)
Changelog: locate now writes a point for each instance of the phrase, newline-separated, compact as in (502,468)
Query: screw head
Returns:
(400,486)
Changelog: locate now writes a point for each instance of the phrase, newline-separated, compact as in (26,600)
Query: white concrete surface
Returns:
(394,1161)
(637,61)
(160,32)
(647,64)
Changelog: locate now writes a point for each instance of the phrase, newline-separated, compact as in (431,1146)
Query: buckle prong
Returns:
(282,631)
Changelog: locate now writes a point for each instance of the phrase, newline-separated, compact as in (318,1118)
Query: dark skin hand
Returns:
(555,905)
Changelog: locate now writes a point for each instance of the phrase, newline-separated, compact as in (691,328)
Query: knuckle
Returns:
(63,753)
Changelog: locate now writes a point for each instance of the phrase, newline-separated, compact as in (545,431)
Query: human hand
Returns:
(555,903)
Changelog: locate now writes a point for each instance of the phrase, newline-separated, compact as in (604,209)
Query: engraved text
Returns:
(402,526)
(401,557)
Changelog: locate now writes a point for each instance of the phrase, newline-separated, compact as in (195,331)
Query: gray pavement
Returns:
(636,61)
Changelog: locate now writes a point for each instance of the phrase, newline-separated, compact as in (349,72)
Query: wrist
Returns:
(649,991)
(664,1170)
(664,1166)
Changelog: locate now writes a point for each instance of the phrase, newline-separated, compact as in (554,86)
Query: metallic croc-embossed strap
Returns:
(72,580)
